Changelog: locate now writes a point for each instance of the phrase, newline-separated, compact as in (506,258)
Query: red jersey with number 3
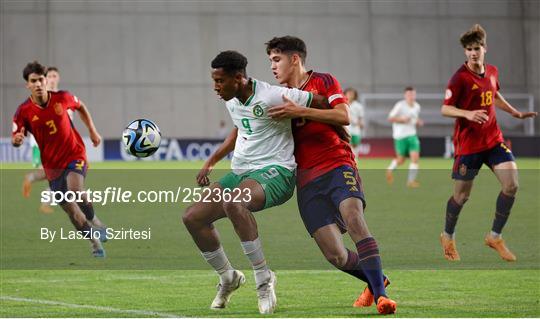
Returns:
(58,140)
(318,148)
(468,90)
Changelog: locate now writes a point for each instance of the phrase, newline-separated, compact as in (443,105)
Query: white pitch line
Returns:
(99,308)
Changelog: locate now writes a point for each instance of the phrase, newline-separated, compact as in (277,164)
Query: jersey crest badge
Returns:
(474,87)
(58,109)
(258,110)
(35,118)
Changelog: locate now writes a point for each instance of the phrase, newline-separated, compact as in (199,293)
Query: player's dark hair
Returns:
(353,91)
(287,45)
(475,35)
(409,88)
(34,67)
(231,62)
(52,68)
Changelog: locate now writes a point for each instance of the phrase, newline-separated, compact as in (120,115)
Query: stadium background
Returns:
(133,59)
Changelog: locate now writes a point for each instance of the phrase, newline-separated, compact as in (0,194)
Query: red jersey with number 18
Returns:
(318,147)
(470,91)
(58,140)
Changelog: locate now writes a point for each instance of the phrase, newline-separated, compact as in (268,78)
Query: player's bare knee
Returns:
(510,189)
(337,259)
(189,218)
(233,210)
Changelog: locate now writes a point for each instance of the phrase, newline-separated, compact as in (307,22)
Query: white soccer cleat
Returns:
(225,290)
(267,295)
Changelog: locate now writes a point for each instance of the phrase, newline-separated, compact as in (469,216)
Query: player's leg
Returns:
(414,155)
(348,197)
(279,187)
(400,146)
(369,259)
(32,177)
(198,219)
(464,171)
(504,167)
(75,183)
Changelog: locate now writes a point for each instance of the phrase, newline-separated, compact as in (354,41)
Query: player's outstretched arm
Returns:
(18,138)
(87,120)
(477,116)
(339,115)
(501,103)
(225,148)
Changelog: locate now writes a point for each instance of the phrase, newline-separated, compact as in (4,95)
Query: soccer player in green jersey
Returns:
(263,173)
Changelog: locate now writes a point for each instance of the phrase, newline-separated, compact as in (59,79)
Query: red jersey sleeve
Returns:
(19,122)
(334,93)
(71,101)
(453,91)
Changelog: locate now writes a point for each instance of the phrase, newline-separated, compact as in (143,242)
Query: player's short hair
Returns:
(53,68)
(287,45)
(409,88)
(231,62)
(34,67)
(475,35)
(353,91)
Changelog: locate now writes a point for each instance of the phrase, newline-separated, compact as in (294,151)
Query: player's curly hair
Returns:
(287,45)
(34,67)
(475,35)
(231,62)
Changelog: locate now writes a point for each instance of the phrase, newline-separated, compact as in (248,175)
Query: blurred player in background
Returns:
(330,195)
(357,118)
(44,114)
(263,164)
(405,117)
(470,98)
(53,80)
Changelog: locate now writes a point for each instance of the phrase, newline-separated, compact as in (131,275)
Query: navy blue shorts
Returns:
(319,200)
(60,183)
(466,167)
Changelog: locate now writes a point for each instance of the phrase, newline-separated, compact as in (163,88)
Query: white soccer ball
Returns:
(141,138)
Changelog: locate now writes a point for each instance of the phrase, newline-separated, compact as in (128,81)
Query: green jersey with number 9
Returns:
(261,140)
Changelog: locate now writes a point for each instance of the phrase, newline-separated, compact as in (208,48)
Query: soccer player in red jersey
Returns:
(330,195)
(63,154)
(471,97)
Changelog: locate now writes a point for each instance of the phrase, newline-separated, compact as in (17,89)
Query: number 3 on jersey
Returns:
(487,98)
(52,126)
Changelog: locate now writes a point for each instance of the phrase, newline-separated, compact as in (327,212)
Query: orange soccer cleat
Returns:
(386,306)
(413,184)
(366,298)
(389,177)
(499,245)
(27,187)
(449,248)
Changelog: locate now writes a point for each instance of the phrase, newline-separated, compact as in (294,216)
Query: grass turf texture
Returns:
(60,279)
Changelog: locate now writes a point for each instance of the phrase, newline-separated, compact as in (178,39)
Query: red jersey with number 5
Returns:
(470,91)
(318,147)
(58,140)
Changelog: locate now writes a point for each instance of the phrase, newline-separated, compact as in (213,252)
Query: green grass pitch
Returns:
(167,277)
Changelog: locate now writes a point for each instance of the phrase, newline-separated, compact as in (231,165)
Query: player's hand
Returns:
(525,115)
(404,119)
(202,177)
(419,122)
(96,138)
(287,110)
(18,138)
(477,116)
